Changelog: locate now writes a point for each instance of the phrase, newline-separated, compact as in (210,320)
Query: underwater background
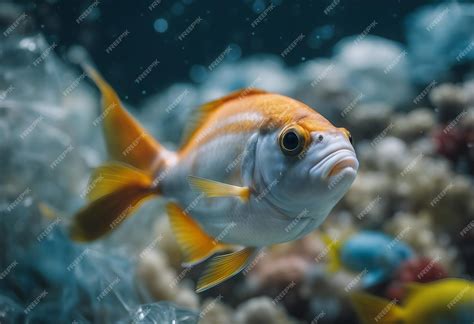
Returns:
(398,74)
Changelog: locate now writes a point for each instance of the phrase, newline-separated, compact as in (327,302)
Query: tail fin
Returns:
(127,141)
(115,191)
(372,309)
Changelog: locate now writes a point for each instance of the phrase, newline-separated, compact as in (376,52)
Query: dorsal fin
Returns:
(203,112)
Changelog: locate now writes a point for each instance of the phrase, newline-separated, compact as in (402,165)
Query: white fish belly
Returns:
(219,160)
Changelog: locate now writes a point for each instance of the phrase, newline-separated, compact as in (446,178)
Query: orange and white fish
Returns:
(255,169)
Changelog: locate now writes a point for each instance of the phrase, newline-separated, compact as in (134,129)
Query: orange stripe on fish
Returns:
(274,110)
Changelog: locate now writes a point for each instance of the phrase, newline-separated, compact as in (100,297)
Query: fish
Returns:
(254,169)
(447,301)
(377,255)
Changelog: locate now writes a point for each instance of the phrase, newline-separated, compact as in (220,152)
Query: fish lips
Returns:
(336,166)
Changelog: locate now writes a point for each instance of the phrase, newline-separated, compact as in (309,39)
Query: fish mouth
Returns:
(348,162)
(335,164)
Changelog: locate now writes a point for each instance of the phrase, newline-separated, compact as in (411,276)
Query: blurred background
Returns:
(399,75)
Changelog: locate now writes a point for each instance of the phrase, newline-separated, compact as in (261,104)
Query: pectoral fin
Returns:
(194,242)
(223,267)
(213,188)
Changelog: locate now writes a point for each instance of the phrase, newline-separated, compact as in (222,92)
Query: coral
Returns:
(327,293)
(162,282)
(322,85)
(414,124)
(384,152)
(377,68)
(260,310)
(277,266)
(369,121)
(168,243)
(369,197)
(432,187)
(215,312)
(454,140)
(419,232)
(421,270)
(449,99)
(281,271)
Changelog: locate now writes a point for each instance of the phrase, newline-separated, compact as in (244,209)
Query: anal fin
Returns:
(194,242)
(223,267)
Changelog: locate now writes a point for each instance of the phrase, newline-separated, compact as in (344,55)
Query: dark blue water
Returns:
(224,23)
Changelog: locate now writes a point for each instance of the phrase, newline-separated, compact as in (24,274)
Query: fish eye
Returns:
(291,141)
